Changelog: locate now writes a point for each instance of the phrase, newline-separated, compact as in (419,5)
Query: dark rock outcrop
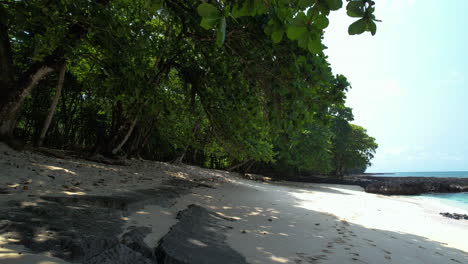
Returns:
(395,185)
(416,185)
(455,216)
(197,238)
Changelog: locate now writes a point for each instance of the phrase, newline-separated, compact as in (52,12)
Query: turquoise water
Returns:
(437,174)
(454,199)
(459,200)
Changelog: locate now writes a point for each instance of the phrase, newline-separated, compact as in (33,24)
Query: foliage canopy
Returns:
(213,83)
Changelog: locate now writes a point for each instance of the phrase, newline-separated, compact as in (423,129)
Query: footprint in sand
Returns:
(339,241)
(311,260)
(454,260)
(421,247)
(326,251)
(386,252)
(387,257)
(440,254)
(317,257)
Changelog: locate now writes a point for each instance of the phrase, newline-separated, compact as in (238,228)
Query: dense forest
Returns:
(239,85)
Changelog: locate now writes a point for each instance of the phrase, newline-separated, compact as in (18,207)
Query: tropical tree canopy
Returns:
(213,83)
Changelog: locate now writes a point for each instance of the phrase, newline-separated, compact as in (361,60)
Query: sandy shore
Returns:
(269,222)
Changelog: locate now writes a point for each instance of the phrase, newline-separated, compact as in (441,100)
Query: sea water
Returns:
(459,200)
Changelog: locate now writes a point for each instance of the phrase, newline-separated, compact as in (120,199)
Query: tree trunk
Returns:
(124,140)
(249,166)
(13,92)
(6,57)
(10,110)
(53,105)
(178,160)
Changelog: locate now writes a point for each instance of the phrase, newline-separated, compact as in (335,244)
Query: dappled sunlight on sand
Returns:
(197,242)
(16,254)
(54,168)
(228,216)
(73,193)
(179,175)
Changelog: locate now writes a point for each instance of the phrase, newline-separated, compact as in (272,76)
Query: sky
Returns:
(409,82)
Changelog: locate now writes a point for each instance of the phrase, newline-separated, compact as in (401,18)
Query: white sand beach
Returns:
(279,222)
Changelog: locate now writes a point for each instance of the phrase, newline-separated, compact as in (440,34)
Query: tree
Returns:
(43,34)
(352,148)
(215,83)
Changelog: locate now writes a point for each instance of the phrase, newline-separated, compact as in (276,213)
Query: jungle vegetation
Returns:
(241,84)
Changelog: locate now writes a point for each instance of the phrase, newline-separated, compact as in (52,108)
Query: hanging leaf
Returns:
(277,36)
(303,41)
(306,3)
(321,21)
(357,27)
(314,45)
(208,10)
(295,32)
(334,4)
(355,9)
(155,5)
(210,15)
(221,34)
(372,27)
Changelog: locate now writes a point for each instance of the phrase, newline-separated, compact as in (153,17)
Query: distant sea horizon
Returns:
(459,200)
(436,174)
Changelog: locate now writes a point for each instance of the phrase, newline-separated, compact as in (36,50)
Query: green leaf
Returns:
(334,4)
(314,45)
(155,5)
(208,10)
(210,15)
(372,27)
(303,41)
(221,34)
(208,23)
(355,9)
(357,27)
(277,36)
(321,21)
(306,3)
(295,32)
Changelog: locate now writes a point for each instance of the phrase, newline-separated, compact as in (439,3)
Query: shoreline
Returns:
(255,222)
